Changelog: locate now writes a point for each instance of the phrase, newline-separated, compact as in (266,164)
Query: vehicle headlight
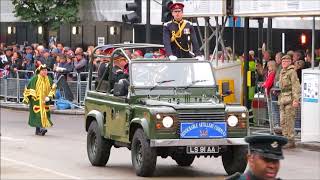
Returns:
(167,121)
(243,115)
(232,121)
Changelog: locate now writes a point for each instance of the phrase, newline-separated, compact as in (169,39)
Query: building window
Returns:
(40,30)
(11,29)
(76,30)
(112,30)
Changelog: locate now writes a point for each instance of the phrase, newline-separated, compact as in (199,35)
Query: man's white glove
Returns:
(46,99)
(200,58)
(173,58)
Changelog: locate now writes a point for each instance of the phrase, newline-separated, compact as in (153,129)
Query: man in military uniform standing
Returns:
(179,35)
(265,152)
(288,98)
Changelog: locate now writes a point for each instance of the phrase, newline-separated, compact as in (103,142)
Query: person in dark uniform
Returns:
(265,152)
(179,35)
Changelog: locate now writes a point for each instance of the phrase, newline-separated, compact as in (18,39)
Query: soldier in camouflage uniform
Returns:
(288,98)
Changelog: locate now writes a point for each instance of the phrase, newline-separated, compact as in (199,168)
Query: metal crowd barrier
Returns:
(261,119)
(72,81)
(266,113)
(13,88)
(23,80)
(275,109)
(83,84)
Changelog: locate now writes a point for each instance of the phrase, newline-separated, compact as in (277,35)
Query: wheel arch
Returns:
(95,115)
(139,123)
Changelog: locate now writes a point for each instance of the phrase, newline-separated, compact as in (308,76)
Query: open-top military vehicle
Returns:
(161,108)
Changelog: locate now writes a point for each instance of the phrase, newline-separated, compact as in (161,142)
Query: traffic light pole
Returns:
(148,22)
(269,34)
(246,61)
(313,39)
(206,39)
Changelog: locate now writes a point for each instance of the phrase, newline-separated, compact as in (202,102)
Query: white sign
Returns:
(276,7)
(101,41)
(203,8)
(311,88)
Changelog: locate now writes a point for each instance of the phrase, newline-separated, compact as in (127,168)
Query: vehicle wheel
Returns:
(184,159)
(235,159)
(144,158)
(98,148)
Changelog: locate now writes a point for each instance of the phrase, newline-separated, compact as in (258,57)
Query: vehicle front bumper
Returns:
(196,142)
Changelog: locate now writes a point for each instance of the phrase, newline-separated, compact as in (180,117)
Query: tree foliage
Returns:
(48,13)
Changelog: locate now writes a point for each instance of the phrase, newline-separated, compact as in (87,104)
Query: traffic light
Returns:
(135,16)
(166,12)
(229,7)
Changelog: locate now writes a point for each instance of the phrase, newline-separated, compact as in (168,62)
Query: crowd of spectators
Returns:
(21,61)
(64,60)
(16,60)
(270,66)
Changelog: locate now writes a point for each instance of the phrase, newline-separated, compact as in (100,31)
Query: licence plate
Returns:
(202,149)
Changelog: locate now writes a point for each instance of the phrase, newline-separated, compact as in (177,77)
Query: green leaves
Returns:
(49,12)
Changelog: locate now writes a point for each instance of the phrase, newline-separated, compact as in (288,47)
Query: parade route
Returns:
(61,154)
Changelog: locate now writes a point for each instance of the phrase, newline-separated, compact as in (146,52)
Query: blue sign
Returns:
(203,130)
(236,20)
(312,100)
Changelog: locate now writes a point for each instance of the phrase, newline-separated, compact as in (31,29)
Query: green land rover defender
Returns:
(157,107)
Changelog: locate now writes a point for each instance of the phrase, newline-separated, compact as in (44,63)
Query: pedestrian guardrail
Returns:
(12,88)
(266,112)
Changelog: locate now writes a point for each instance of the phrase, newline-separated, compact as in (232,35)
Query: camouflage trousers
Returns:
(287,120)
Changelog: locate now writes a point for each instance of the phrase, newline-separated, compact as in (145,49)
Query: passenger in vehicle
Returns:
(161,54)
(119,64)
(137,54)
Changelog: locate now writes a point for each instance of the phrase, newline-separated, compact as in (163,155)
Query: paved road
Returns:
(61,154)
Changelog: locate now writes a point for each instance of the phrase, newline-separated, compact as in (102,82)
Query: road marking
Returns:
(43,169)
(10,138)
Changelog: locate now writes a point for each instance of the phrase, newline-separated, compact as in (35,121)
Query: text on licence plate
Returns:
(202,149)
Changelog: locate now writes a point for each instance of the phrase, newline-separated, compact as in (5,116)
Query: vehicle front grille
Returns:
(201,115)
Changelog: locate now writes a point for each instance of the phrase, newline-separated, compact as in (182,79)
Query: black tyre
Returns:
(144,158)
(98,148)
(184,159)
(235,159)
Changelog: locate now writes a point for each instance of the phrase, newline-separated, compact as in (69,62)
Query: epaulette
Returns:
(188,21)
(166,23)
(234,176)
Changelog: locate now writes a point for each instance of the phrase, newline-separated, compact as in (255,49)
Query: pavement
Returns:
(24,107)
(313,146)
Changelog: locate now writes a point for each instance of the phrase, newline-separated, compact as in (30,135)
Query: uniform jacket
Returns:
(34,94)
(246,176)
(182,45)
(289,86)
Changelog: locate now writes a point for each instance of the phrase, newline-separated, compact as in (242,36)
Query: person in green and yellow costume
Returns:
(37,94)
